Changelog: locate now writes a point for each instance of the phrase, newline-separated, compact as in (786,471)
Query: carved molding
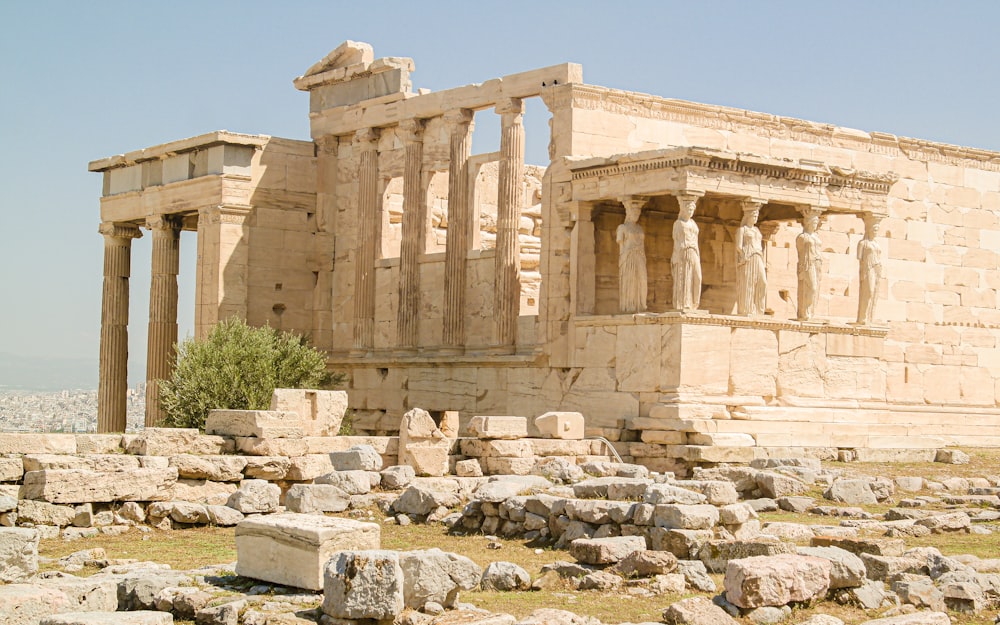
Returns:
(116,230)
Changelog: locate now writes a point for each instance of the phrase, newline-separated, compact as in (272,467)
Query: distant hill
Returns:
(35,373)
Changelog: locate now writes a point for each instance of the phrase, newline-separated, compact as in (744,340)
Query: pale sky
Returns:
(80,81)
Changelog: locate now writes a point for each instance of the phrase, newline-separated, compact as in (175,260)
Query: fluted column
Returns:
(162,334)
(507,299)
(414,226)
(366,140)
(113,372)
(459,222)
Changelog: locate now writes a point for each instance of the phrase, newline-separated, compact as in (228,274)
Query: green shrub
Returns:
(237,367)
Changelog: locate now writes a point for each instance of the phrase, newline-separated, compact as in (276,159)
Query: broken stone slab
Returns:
(142,617)
(284,447)
(36,443)
(351,482)
(422,445)
(501,488)
(80,486)
(561,425)
(605,550)
(689,517)
(363,585)
(309,467)
(432,575)
(696,611)
(852,491)
(11,469)
(267,467)
(98,593)
(775,580)
(203,491)
(257,423)
(316,498)
(174,441)
(397,477)
(848,570)
(18,554)
(319,413)
(255,497)
(422,499)
(44,513)
(505,577)
(716,554)
(668,493)
(357,458)
(95,462)
(214,468)
(502,427)
(293,549)
(600,488)
(646,563)
(947,522)
(27,604)
(880,547)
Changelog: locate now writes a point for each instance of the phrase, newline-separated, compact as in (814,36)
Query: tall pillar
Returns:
(162,334)
(459,223)
(584,289)
(366,141)
(323,241)
(113,373)
(414,234)
(507,298)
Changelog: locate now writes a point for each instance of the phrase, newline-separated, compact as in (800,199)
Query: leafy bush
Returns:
(237,367)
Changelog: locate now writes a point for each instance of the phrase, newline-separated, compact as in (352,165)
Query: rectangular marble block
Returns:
(293,549)
(258,423)
(82,486)
(499,427)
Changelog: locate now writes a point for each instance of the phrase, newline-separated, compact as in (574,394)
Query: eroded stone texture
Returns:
(80,486)
(363,585)
(776,580)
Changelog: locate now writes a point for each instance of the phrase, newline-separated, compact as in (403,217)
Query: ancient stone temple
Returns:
(690,276)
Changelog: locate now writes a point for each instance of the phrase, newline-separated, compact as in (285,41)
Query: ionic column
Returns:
(507,299)
(414,226)
(366,140)
(162,334)
(113,373)
(459,222)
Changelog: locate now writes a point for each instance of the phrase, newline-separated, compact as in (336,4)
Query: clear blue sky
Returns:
(80,81)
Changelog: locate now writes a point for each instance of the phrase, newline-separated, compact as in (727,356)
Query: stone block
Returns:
(284,447)
(696,611)
(174,441)
(34,443)
(306,468)
(422,445)
(507,428)
(141,617)
(363,585)
(258,423)
(93,462)
(357,458)
(776,580)
(313,498)
(99,443)
(27,604)
(688,517)
(320,413)
(267,467)
(78,486)
(214,468)
(561,425)
(605,550)
(203,491)
(11,469)
(432,575)
(293,549)
(716,554)
(18,554)
(255,497)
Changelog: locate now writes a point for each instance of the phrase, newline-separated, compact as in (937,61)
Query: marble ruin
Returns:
(702,283)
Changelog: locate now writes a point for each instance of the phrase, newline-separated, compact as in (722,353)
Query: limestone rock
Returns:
(363,585)
(432,575)
(320,413)
(313,498)
(351,482)
(917,618)
(309,467)
(203,491)
(255,496)
(561,425)
(854,491)
(606,550)
(667,493)
(422,445)
(696,611)
(267,467)
(501,488)
(693,517)
(81,486)
(848,570)
(397,477)
(214,468)
(18,554)
(646,564)
(143,617)
(292,549)
(506,428)
(776,580)
(357,458)
(174,441)
(716,554)
(421,500)
(468,468)
(257,423)
(223,516)
(505,576)
(44,513)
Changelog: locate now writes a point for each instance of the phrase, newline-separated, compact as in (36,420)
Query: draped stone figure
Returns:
(631,260)
(870,271)
(751,281)
(809,267)
(685,261)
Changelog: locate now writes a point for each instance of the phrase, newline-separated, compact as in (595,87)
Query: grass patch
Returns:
(181,549)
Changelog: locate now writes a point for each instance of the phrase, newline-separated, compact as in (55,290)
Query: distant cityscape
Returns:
(72,411)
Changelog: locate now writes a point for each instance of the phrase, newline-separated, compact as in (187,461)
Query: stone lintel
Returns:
(171,148)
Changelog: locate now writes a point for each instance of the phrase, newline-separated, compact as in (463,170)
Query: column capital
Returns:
(510,107)
(328,144)
(634,201)
(118,230)
(768,229)
(163,222)
(751,203)
(458,119)
(808,210)
(411,130)
(366,138)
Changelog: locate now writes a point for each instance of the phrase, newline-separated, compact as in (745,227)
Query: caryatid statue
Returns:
(809,267)
(685,261)
(751,280)
(632,281)
(869,270)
